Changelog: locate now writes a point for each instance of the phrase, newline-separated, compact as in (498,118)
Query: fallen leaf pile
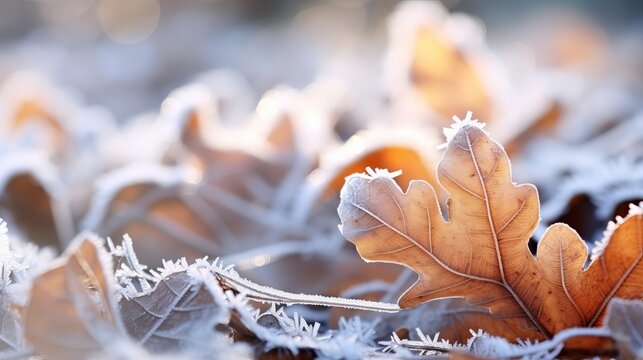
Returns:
(209,228)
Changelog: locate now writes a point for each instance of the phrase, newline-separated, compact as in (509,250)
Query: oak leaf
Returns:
(481,253)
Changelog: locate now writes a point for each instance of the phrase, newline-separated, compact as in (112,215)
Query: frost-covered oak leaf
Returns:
(481,253)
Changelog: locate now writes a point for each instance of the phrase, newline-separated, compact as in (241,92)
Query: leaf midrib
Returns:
(496,242)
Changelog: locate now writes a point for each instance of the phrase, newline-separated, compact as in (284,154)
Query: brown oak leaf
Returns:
(481,253)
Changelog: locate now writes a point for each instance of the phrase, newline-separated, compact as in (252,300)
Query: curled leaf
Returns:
(32,199)
(72,312)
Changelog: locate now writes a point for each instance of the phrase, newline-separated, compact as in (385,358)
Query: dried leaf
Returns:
(148,203)
(72,310)
(625,320)
(176,314)
(481,254)
(32,199)
(223,195)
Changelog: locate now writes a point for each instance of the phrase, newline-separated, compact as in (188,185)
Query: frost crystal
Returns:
(18,263)
(458,124)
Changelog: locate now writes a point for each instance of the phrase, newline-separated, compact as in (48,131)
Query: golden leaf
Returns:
(481,254)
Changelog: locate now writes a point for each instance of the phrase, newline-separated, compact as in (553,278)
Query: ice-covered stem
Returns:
(132,270)
(425,346)
(251,290)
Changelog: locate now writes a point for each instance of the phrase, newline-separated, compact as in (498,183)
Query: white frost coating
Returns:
(426,345)
(181,103)
(368,287)
(487,346)
(230,277)
(599,246)
(60,103)
(589,158)
(231,88)
(126,146)
(355,194)
(109,185)
(450,132)
(409,17)
(19,262)
(352,340)
(597,109)
(495,347)
(607,184)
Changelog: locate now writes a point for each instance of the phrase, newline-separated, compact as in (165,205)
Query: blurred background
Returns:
(129,54)
(226,128)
